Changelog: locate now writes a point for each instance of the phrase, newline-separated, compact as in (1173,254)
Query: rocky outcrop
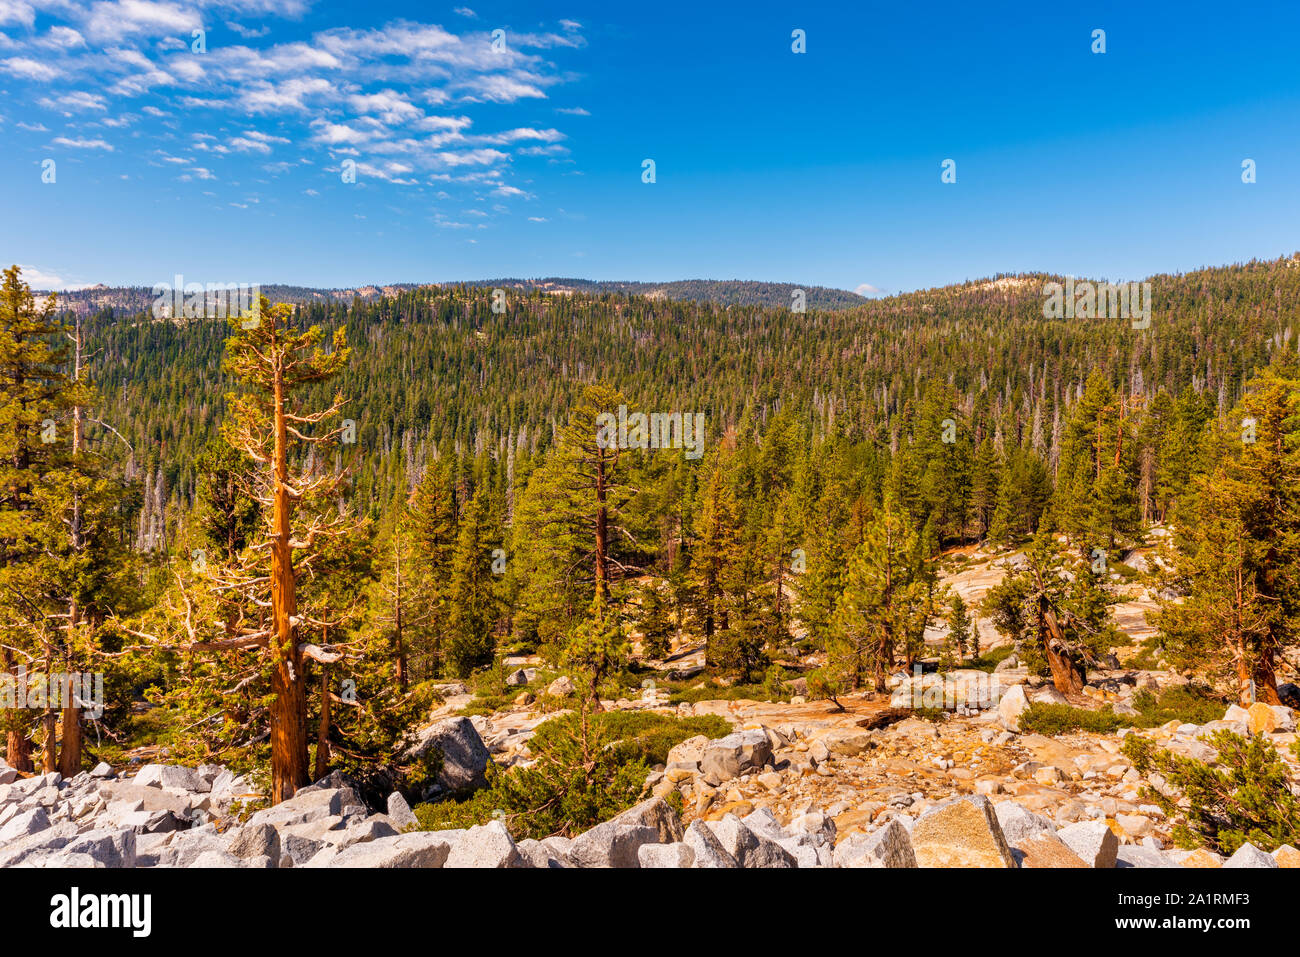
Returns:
(455,748)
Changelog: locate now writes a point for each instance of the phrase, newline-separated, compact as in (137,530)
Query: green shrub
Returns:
(584,773)
(712,692)
(1188,703)
(1244,796)
(930,714)
(991,659)
(1053,719)
(643,735)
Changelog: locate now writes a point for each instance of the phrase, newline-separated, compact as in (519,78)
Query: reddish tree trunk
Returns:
(70,752)
(289,698)
(1068,674)
(1266,677)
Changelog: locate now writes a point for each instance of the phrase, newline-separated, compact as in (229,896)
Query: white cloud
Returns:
(29,69)
(80,143)
(39,278)
(16,11)
(113,20)
(248,33)
(389,105)
(340,90)
(64,37)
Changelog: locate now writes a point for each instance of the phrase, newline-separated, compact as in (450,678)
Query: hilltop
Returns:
(731,292)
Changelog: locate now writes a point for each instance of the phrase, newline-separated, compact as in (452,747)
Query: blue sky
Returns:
(819,168)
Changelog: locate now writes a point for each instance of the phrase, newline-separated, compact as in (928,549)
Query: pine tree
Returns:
(31,398)
(1239,546)
(885,605)
(472,615)
(960,626)
(1056,613)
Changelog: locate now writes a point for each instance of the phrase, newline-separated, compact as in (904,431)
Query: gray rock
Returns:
(963,832)
(1011,706)
(256,840)
(736,754)
(171,776)
(111,847)
(1139,855)
(816,824)
(61,860)
(487,845)
(655,813)
(561,687)
(764,822)
(1093,841)
(416,849)
(1248,855)
(213,859)
(707,850)
(749,849)
(457,750)
(890,846)
(25,823)
(188,846)
(400,813)
(309,804)
(540,854)
(296,850)
(611,844)
(52,838)
(149,798)
(665,855)
(361,832)
(1019,824)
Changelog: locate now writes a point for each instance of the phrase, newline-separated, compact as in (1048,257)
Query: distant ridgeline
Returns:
(735,292)
(434,367)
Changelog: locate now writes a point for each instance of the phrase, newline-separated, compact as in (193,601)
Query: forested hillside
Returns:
(736,292)
(309,519)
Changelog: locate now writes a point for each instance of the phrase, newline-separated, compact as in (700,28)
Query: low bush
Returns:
(1246,795)
(1053,719)
(585,772)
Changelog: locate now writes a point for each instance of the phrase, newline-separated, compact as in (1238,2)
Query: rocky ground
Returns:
(795,785)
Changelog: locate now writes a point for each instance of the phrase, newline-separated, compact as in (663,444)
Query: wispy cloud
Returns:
(412,103)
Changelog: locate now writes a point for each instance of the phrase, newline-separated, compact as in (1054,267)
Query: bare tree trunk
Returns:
(323,730)
(602,531)
(1068,674)
(1245,687)
(397,613)
(1265,674)
(289,699)
(70,752)
(18,752)
(70,756)
(18,749)
(49,760)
